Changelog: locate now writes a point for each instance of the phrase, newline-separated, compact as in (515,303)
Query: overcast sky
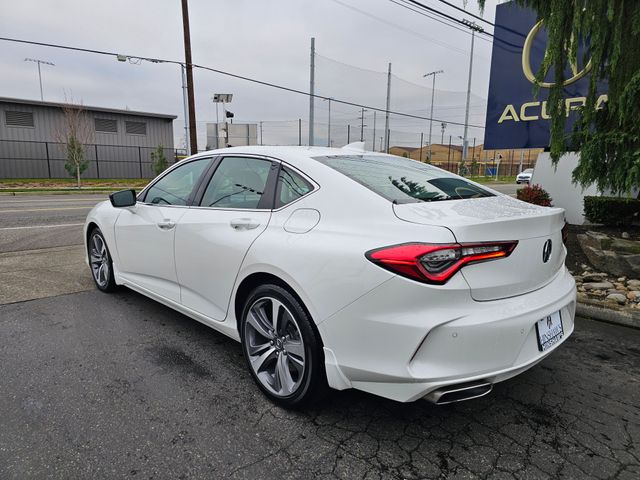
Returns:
(264,39)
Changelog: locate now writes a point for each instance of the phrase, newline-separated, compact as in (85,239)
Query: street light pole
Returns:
(433,91)
(35,60)
(185,106)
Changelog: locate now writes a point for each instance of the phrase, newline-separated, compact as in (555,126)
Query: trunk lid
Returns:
(499,218)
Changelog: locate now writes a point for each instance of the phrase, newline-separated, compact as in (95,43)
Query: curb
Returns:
(616,317)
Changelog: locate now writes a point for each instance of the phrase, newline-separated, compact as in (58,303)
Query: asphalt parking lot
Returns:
(113,386)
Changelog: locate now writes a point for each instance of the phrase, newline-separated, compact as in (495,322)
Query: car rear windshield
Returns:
(401,180)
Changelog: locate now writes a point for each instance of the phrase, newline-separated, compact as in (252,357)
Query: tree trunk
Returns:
(78,174)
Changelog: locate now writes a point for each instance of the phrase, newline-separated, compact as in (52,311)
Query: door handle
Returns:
(166,224)
(244,223)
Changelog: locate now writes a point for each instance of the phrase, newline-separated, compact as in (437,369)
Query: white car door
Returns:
(213,237)
(145,233)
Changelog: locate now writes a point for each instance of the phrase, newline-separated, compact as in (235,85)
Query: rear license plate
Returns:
(549,331)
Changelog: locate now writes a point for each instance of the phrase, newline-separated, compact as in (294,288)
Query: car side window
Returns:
(176,186)
(238,182)
(291,186)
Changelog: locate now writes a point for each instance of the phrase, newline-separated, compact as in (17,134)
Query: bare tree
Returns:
(74,132)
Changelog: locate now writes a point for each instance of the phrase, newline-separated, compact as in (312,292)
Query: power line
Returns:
(442,14)
(445,19)
(465,12)
(401,28)
(233,75)
(414,10)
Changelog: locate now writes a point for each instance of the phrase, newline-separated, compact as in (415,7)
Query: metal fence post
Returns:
(140,160)
(46,148)
(97,165)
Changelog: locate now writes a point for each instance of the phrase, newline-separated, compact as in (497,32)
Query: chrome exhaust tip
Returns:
(459,392)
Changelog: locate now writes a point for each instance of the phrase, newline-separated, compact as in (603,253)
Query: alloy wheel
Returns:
(274,346)
(99,259)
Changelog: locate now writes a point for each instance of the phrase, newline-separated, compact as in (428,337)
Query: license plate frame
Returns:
(549,331)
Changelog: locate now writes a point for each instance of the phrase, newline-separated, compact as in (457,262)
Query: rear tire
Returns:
(100,262)
(281,347)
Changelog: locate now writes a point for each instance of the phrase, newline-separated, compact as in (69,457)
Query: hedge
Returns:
(611,211)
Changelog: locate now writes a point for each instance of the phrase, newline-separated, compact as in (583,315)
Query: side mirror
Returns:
(123,198)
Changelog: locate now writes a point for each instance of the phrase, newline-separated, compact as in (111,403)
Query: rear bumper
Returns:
(404,341)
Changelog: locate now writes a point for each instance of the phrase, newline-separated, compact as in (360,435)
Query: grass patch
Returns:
(492,180)
(41,184)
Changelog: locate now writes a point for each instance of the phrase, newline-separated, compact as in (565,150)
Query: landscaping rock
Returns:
(594,277)
(625,235)
(622,279)
(597,285)
(633,284)
(618,298)
(616,256)
(634,295)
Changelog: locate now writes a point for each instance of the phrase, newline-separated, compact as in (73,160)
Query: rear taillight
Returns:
(436,263)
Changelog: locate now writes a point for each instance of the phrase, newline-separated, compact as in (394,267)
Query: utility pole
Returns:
(374,131)
(348,134)
(421,142)
(189,66)
(443,126)
(474,28)
(433,91)
(386,117)
(299,132)
(312,97)
(260,132)
(35,60)
(329,128)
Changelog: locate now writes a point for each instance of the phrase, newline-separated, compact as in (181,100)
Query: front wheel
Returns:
(281,347)
(100,262)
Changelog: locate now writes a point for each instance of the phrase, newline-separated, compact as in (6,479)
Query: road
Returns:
(113,386)
(29,222)
(506,188)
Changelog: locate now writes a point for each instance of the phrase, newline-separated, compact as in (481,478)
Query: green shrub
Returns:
(611,211)
(534,194)
(158,160)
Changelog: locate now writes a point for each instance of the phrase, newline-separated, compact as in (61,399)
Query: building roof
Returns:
(21,101)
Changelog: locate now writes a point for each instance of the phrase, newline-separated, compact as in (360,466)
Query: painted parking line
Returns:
(43,226)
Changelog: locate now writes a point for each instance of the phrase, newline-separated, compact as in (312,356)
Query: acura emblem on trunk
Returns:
(546,251)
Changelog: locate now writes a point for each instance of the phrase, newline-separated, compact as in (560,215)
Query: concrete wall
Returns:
(557,181)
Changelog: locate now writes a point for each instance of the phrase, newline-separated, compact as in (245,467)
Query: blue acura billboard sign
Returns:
(516,118)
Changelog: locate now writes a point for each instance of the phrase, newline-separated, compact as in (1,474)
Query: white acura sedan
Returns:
(345,268)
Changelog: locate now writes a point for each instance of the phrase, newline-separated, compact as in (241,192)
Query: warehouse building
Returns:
(119,146)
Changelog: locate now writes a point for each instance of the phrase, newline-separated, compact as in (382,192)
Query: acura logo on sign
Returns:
(546,251)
